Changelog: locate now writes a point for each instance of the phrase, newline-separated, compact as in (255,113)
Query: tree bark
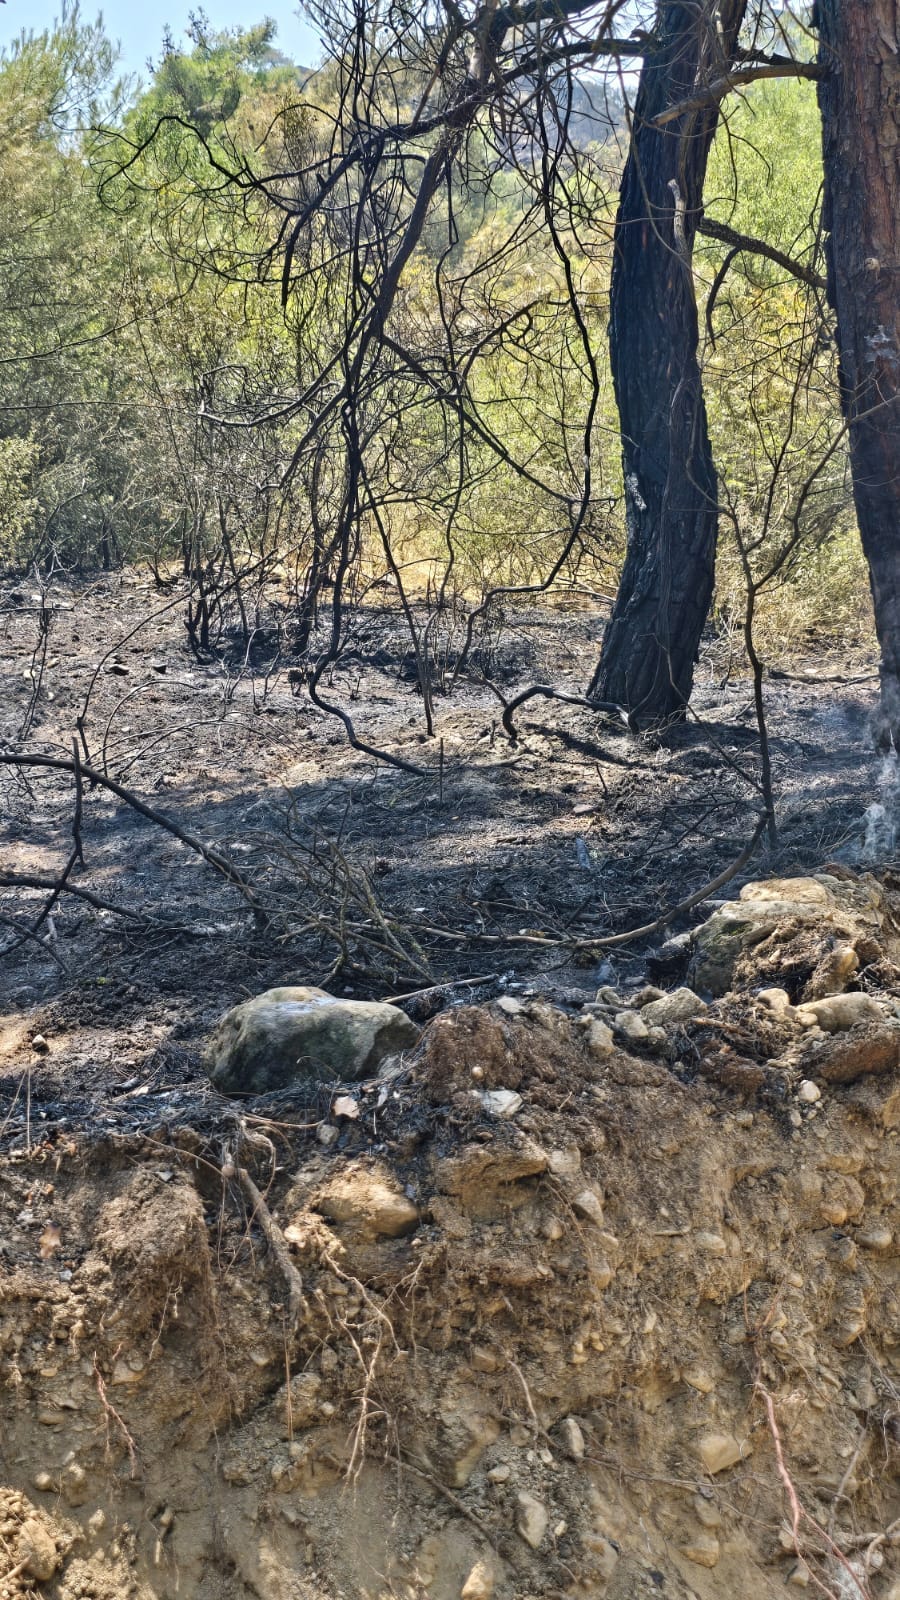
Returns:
(671,492)
(859,99)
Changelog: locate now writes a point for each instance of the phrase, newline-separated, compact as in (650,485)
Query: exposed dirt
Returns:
(594,1350)
(541,1357)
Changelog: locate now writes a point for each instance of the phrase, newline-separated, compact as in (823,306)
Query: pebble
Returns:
(776,999)
(678,1006)
(839,1012)
(327,1134)
(875,1236)
(37,1550)
(565,1163)
(572,1439)
(703,1551)
(709,1515)
(500,1474)
(719,1451)
(501,1103)
(632,1026)
(39,1045)
(609,996)
(598,1037)
(479,1585)
(532,1519)
(744,1119)
(512,1008)
(588,1204)
(712,1243)
(809,1092)
(798,1577)
(645,995)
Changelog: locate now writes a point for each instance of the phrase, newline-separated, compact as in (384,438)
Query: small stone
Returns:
(605,1556)
(703,1551)
(345,1106)
(678,1006)
(700,1380)
(588,1204)
(39,1045)
(75,1484)
(809,1092)
(531,1519)
(598,1038)
(327,1134)
(798,1577)
(484,1359)
(369,1200)
(500,1474)
(512,1007)
(834,1211)
(479,1585)
(712,1243)
(572,1439)
(96,1522)
(875,1236)
(657,1040)
(631,1026)
(37,1550)
(839,1012)
(778,1000)
(609,996)
(646,995)
(794,1118)
(501,1103)
(45,1483)
(744,1119)
(719,1451)
(565,1164)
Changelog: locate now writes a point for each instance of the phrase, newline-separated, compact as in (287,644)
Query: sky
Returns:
(138,24)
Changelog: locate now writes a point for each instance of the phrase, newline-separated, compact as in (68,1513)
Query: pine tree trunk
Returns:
(671,491)
(860,104)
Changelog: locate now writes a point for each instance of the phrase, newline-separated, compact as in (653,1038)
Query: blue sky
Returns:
(139,24)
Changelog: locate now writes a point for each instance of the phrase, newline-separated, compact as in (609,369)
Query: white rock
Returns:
(531,1519)
(598,1038)
(588,1204)
(678,1006)
(875,1236)
(778,1000)
(512,1007)
(501,1103)
(479,1585)
(572,1439)
(631,1025)
(809,1092)
(839,1012)
(719,1451)
(565,1163)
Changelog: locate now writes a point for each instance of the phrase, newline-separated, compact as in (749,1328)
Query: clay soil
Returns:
(642,1340)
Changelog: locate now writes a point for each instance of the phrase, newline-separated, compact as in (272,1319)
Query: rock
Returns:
(719,1451)
(632,1026)
(45,1483)
(809,1092)
(37,1550)
(327,1134)
(703,1551)
(565,1164)
(657,1040)
(75,1484)
(678,1006)
(815,915)
(588,1204)
(777,1000)
(839,1012)
(598,1038)
(798,1577)
(844,1057)
(699,1379)
(300,1401)
(875,1236)
(501,1103)
(479,1585)
(300,1035)
(645,995)
(368,1201)
(708,1514)
(39,1045)
(531,1519)
(572,1439)
(500,1474)
(712,1243)
(609,997)
(509,1005)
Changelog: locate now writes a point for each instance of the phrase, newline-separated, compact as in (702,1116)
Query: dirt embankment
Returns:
(642,1338)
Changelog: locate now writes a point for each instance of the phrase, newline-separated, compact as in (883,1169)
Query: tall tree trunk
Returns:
(859,99)
(652,638)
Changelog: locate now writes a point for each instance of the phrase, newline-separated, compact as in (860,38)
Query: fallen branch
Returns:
(547,692)
(210,854)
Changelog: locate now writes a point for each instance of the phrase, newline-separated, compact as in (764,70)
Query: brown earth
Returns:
(596,1350)
(601,1348)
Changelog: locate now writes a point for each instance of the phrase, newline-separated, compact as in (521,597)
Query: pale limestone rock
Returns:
(778,1000)
(839,1012)
(809,1092)
(708,1514)
(703,1551)
(719,1451)
(875,1236)
(678,1006)
(565,1164)
(572,1439)
(509,1005)
(632,1026)
(588,1204)
(532,1519)
(501,1103)
(368,1200)
(499,1474)
(479,1585)
(37,1550)
(598,1038)
(300,1034)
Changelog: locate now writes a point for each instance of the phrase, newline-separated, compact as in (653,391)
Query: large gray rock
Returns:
(301,1035)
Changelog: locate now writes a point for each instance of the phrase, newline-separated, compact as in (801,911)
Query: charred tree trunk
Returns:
(859,44)
(671,491)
